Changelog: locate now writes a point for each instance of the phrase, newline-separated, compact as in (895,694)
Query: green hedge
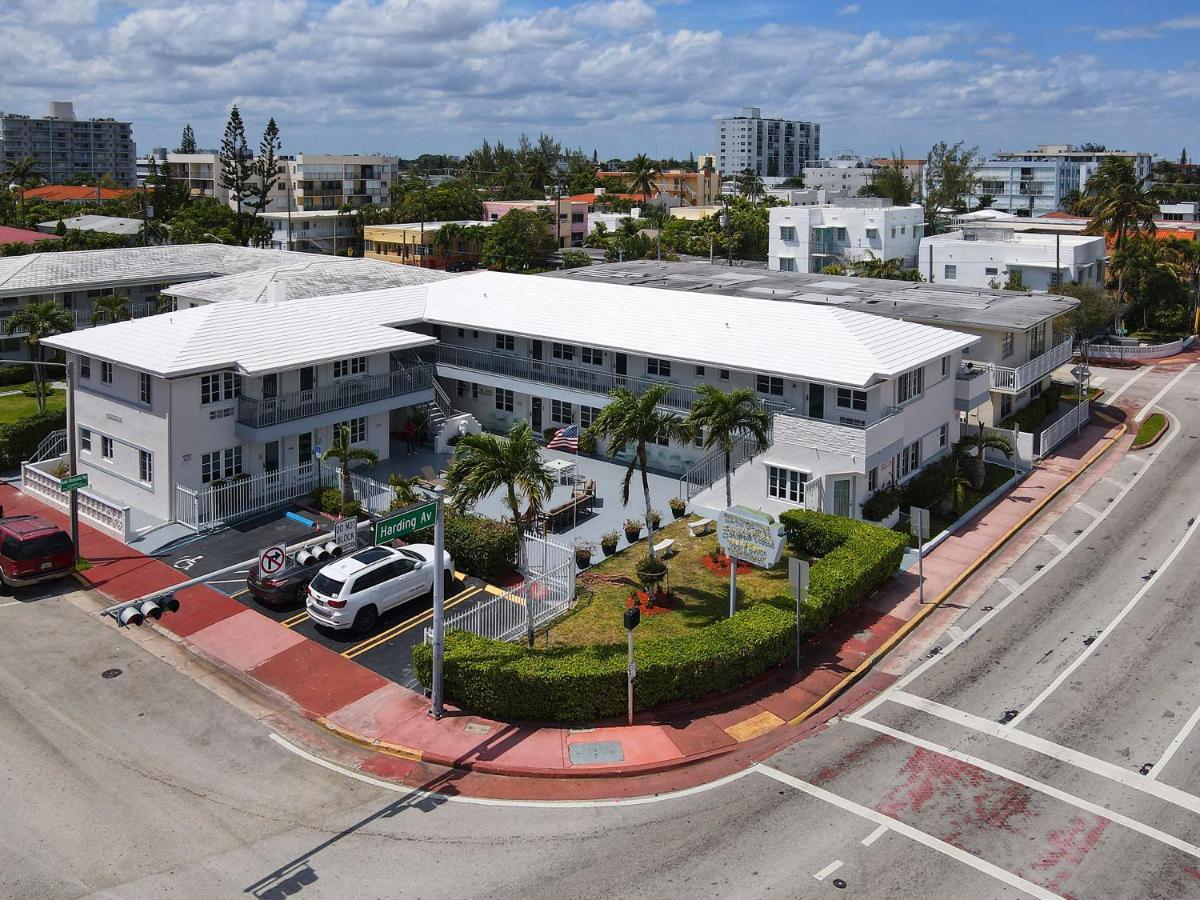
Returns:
(1030,417)
(15,374)
(856,558)
(19,440)
(581,684)
(480,546)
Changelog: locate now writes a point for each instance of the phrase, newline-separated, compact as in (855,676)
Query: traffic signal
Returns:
(136,612)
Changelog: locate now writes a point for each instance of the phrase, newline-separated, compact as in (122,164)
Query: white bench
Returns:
(663,548)
(700,526)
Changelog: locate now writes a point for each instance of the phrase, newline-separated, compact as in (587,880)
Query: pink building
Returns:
(571,227)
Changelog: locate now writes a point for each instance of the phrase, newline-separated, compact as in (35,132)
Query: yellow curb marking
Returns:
(754,726)
(371,744)
(294,620)
(384,636)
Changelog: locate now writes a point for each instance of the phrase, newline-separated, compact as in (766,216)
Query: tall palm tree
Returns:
(24,174)
(874,267)
(643,176)
(111,308)
(727,418)
(448,236)
(979,442)
(345,453)
(1121,206)
(750,185)
(632,420)
(39,320)
(537,169)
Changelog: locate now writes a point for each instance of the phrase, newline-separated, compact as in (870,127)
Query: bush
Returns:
(15,374)
(19,440)
(856,558)
(351,509)
(1030,417)
(330,500)
(928,487)
(882,504)
(480,546)
(549,433)
(581,684)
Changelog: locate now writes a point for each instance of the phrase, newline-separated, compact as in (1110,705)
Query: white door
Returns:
(843,495)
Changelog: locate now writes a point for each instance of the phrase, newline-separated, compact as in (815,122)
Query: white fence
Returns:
(1022,443)
(93,509)
(1136,351)
(1063,428)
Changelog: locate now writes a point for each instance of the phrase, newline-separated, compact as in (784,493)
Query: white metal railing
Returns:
(96,510)
(1063,428)
(1015,380)
(259,413)
(187,507)
(711,469)
(52,445)
(441,400)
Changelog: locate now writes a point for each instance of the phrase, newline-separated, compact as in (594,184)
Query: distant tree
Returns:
(237,168)
(750,185)
(794,181)
(1183,157)
(575,259)
(1095,313)
(875,267)
(891,181)
(1092,148)
(187,141)
(1073,202)
(264,171)
(518,241)
(643,176)
(952,173)
(24,174)
(111,308)
(1120,207)
(205,220)
(985,201)
(39,320)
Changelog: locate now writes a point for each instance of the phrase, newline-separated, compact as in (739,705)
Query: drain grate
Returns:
(110,673)
(590,753)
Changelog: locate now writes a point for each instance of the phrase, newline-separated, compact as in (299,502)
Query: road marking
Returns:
(1096,766)
(384,636)
(1011,583)
(1127,385)
(1084,508)
(294,620)
(1056,542)
(915,834)
(1049,790)
(828,870)
(874,835)
(1144,411)
(417,793)
(240,593)
(1175,744)
(11,603)
(1109,628)
(909,677)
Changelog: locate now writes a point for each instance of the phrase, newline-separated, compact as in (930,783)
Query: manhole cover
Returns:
(477,728)
(590,753)
(110,673)
(839,883)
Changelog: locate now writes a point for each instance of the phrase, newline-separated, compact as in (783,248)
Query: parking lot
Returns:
(387,649)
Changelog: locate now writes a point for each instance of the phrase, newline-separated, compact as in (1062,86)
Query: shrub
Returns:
(581,684)
(330,500)
(928,487)
(678,506)
(15,374)
(587,442)
(480,546)
(881,504)
(609,541)
(856,558)
(549,433)
(351,509)
(19,440)
(1030,417)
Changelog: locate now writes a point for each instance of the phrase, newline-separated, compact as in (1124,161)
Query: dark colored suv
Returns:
(33,550)
(287,587)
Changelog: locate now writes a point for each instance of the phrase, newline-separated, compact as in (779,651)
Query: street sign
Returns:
(399,524)
(1081,372)
(918,523)
(73,482)
(345,533)
(271,560)
(750,535)
(798,577)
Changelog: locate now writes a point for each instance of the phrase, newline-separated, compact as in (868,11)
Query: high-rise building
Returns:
(769,147)
(66,148)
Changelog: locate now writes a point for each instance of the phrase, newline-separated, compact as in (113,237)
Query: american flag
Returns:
(565,439)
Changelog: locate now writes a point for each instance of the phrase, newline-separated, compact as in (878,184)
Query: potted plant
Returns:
(608,542)
(633,530)
(656,519)
(583,554)
(678,506)
(649,573)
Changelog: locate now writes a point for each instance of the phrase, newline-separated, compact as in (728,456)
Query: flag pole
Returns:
(575,479)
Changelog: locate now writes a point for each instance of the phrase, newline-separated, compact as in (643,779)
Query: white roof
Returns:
(43,272)
(252,338)
(794,340)
(107,224)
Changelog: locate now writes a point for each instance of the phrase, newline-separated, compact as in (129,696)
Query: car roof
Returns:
(27,526)
(349,566)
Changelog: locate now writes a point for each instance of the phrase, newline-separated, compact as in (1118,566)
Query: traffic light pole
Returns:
(72,457)
(436,709)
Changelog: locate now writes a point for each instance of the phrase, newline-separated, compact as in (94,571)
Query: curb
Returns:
(1154,440)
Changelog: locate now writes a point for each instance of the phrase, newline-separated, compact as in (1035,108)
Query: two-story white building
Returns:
(809,238)
(989,257)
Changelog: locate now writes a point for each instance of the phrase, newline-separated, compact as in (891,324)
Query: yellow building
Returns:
(700,188)
(419,244)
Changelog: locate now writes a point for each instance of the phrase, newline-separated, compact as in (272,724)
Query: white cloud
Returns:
(1150,30)
(849,9)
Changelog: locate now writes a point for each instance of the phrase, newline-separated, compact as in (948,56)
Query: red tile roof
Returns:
(76,193)
(21,236)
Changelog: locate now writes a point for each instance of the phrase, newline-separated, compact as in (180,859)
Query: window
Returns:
(951,273)
(991,270)
(562,351)
(560,412)
(659,367)
(909,459)
(945,366)
(506,342)
(504,400)
(355,365)
(1035,390)
(220,464)
(462,332)
(146,466)
(1005,405)
(787,264)
(786,484)
(841,234)
(893,231)
(1006,345)
(769,384)
(144,388)
(872,233)
(85,440)
(587,415)
(851,399)
(699,371)
(106,372)
(358,429)
(910,385)
(873,479)
(787,233)
(723,374)
(106,447)
(85,367)
(220,386)
(592,356)
(461,388)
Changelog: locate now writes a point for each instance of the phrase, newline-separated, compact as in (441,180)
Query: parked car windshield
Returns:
(330,587)
(46,545)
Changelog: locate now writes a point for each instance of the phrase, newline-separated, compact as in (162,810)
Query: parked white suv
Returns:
(355,590)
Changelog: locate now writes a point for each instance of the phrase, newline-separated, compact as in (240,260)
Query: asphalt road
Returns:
(1007,762)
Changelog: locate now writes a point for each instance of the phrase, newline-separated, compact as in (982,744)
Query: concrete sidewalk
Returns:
(681,743)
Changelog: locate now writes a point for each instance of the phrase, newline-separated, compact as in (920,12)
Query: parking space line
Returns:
(828,870)
(874,835)
(295,620)
(383,637)
(1055,541)
(1175,744)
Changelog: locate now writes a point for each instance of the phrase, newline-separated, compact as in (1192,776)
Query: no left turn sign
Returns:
(272,559)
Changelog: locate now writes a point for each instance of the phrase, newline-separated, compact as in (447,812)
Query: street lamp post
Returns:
(725,228)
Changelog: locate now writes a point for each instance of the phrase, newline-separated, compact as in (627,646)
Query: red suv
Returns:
(31,551)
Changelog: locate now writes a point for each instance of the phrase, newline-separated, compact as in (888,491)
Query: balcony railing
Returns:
(1014,380)
(576,378)
(259,413)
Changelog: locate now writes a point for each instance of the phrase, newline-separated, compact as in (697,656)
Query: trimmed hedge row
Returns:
(480,546)
(856,558)
(581,684)
(19,440)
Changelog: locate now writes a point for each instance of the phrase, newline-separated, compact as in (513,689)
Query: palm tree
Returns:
(633,420)
(448,236)
(42,319)
(24,174)
(874,267)
(111,308)
(1121,206)
(1187,262)
(345,453)
(750,185)
(979,442)
(537,170)
(643,176)
(727,418)
(404,490)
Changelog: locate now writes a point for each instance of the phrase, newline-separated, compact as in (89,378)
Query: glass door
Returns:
(816,401)
(535,414)
(843,494)
(271,456)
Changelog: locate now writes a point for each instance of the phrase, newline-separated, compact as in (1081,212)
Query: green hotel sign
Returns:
(73,483)
(405,522)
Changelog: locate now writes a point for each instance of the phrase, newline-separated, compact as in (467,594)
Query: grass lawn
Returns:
(1073,398)
(18,406)
(994,476)
(700,596)
(1149,429)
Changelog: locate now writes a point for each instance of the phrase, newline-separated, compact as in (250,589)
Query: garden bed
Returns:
(1148,433)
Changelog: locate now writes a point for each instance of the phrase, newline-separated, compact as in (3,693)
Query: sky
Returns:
(616,76)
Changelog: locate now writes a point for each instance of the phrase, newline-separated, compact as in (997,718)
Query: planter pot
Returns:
(609,549)
(583,560)
(632,536)
(678,513)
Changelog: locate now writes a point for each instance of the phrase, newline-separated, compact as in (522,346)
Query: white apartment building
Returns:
(809,196)
(1179,212)
(328,181)
(1087,161)
(987,257)
(168,406)
(1027,187)
(317,231)
(807,239)
(849,174)
(769,147)
(66,148)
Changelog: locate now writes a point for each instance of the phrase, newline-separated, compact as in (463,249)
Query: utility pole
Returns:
(72,455)
(437,708)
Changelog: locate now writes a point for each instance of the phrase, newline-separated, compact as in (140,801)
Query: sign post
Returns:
(271,560)
(798,579)
(747,535)
(439,598)
(918,524)
(631,619)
